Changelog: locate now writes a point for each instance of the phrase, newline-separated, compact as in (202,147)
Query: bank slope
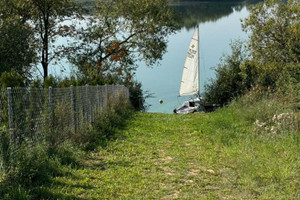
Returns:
(197,156)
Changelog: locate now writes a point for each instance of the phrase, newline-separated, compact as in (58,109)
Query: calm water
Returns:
(219,24)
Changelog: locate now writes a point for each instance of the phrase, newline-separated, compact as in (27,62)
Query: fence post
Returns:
(117,92)
(98,98)
(73,109)
(10,116)
(50,98)
(105,102)
(88,114)
(126,91)
(50,93)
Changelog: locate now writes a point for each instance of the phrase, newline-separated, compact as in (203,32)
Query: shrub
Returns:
(113,117)
(32,166)
(230,81)
(11,79)
(4,149)
(138,97)
(106,122)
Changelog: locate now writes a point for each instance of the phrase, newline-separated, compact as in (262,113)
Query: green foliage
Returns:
(234,76)
(262,109)
(67,154)
(273,61)
(137,97)
(11,79)
(120,33)
(89,137)
(32,166)
(4,149)
(67,82)
(274,39)
(113,118)
(50,81)
(15,50)
(57,132)
(43,18)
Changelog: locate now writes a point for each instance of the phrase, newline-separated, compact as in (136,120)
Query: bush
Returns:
(106,123)
(11,79)
(32,166)
(232,79)
(113,117)
(273,24)
(4,149)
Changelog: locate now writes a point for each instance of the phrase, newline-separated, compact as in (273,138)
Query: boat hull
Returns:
(190,106)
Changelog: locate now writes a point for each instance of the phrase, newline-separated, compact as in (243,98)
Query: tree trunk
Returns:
(45,52)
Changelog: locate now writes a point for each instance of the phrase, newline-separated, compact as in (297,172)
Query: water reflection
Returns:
(219,24)
(192,13)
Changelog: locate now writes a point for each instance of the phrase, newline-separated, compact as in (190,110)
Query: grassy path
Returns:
(199,156)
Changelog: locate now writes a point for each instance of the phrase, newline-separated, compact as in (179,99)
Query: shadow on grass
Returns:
(17,192)
(108,127)
(108,130)
(100,164)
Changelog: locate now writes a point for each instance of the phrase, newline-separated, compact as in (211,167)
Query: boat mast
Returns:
(198,60)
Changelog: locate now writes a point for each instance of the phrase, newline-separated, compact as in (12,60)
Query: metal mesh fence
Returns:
(52,114)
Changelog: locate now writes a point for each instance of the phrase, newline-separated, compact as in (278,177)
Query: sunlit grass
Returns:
(199,156)
(218,155)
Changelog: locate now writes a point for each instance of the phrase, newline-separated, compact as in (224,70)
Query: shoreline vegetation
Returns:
(244,151)
(91,3)
(248,149)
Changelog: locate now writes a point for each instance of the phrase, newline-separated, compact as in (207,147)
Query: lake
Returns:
(219,25)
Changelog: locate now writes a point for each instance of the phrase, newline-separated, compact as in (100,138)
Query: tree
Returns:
(274,27)
(45,17)
(122,32)
(15,50)
(274,55)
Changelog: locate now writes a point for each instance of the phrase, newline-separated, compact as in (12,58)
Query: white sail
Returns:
(190,75)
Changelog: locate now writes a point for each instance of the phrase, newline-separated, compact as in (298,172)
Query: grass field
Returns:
(197,156)
(249,150)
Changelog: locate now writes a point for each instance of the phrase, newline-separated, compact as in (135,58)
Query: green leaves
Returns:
(43,19)
(274,54)
(15,50)
(121,33)
(274,29)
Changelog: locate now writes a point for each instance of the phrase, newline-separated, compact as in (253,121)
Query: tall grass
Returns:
(270,112)
(34,164)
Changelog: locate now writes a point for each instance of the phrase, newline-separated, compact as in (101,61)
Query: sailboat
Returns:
(190,79)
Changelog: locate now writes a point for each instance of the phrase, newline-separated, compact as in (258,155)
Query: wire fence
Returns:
(57,113)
